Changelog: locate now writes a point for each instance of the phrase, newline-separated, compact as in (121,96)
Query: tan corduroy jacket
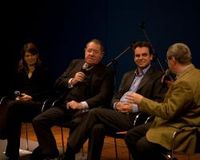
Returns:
(181,107)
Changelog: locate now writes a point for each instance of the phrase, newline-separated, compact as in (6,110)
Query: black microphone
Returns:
(17,93)
(86,68)
(168,76)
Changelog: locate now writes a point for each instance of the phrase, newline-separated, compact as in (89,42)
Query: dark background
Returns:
(62,27)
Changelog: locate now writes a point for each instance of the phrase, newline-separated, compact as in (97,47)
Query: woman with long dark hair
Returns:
(31,87)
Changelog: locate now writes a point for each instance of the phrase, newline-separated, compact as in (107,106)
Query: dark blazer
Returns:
(150,86)
(101,84)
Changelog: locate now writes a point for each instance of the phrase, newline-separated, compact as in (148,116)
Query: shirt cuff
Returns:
(70,83)
(85,105)
(114,105)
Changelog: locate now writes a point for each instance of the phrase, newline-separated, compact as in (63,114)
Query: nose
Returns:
(92,53)
(140,57)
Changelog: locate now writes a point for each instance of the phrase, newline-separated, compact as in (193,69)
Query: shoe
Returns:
(10,158)
(69,154)
(38,155)
(56,158)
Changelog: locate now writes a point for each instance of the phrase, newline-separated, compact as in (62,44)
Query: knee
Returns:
(131,137)
(127,138)
(36,120)
(93,112)
(96,111)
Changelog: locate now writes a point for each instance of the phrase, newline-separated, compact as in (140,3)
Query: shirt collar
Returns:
(140,72)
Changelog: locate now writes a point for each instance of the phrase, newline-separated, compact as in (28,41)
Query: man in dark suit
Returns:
(86,84)
(145,80)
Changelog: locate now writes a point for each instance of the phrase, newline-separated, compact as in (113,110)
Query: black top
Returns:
(38,86)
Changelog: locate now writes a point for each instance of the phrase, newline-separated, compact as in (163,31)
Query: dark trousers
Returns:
(18,112)
(94,126)
(55,116)
(140,147)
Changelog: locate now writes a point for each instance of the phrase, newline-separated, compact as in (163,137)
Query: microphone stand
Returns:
(142,27)
(167,74)
(114,60)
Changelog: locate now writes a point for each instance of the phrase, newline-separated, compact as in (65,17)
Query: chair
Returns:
(3,101)
(139,119)
(172,155)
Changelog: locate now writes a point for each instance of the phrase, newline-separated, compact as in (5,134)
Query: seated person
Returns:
(86,84)
(145,79)
(32,85)
(181,107)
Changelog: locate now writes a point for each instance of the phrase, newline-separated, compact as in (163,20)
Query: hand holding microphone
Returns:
(79,77)
(22,96)
(168,77)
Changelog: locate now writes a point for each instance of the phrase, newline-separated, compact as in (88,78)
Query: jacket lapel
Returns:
(145,79)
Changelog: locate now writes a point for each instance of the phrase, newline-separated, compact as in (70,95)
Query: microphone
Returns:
(17,93)
(168,76)
(86,68)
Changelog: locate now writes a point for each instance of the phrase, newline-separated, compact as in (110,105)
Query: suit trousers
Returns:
(140,148)
(98,123)
(55,116)
(18,112)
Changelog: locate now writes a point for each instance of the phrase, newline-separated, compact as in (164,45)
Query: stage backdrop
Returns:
(61,29)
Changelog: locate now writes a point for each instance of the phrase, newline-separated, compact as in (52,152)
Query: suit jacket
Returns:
(150,86)
(181,107)
(100,87)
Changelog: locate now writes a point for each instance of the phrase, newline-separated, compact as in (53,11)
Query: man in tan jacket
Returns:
(181,107)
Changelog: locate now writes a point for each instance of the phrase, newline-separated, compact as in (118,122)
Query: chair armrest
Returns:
(50,102)
(122,132)
(45,105)
(56,102)
(136,119)
(149,119)
(4,99)
(195,129)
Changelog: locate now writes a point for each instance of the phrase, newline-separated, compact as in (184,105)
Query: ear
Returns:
(152,57)
(173,59)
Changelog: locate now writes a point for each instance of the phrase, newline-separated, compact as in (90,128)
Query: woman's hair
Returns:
(31,48)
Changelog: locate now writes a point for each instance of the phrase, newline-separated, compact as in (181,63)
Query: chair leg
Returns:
(116,152)
(26,134)
(62,140)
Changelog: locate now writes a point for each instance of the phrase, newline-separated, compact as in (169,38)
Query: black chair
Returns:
(140,118)
(172,155)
